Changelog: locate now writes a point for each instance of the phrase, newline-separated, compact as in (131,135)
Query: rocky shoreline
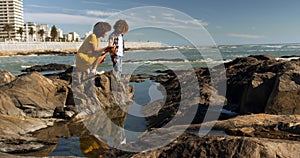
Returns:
(262,97)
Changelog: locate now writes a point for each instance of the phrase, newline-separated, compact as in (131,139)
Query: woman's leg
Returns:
(98,61)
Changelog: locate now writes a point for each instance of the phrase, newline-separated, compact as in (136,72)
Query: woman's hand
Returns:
(111,49)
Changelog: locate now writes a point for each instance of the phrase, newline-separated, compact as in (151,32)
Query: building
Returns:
(30,31)
(41,36)
(59,33)
(72,37)
(11,12)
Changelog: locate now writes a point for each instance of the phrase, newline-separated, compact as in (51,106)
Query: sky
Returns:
(177,22)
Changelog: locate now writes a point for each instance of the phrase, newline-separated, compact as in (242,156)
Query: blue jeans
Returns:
(118,66)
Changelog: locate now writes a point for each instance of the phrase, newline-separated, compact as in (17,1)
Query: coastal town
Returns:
(17,36)
(13,27)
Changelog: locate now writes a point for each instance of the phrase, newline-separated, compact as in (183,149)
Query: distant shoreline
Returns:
(62,48)
(38,52)
(66,52)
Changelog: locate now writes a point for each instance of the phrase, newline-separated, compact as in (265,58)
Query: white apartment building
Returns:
(30,36)
(73,36)
(11,12)
(59,33)
(44,27)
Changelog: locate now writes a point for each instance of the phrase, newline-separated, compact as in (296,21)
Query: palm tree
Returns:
(41,33)
(53,32)
(20,31)
(31,32)
(8,28)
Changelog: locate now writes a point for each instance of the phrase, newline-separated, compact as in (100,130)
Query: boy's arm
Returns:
(110,40)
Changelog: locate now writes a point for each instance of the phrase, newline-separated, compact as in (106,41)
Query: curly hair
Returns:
(121,26)
(102,26)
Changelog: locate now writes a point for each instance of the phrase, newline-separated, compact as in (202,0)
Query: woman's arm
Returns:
(94,51)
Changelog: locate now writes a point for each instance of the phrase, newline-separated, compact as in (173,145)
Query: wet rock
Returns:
(189,145)
(7,105)
(188,97)
(139,77)
(262,84)
(16,125)
(256,135)
(6,77)
(24,146)
(67,75)
(260,88)
(16,135)
(260,125)
(30,98)
(48,67)
(285,97)
(256,84)
(35,95)
(263,57)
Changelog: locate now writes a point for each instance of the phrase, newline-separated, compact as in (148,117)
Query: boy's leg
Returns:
(118,66)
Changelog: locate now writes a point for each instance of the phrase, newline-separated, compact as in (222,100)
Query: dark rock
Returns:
(285,97)
(257,84)
(187,99)
(59,112)
(264,85)
(48,67)
(263,57)
(257,94)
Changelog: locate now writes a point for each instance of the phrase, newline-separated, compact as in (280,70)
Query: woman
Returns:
(89,56)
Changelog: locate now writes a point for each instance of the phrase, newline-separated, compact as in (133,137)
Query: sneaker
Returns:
(123,142)
(88,71)
(95,72)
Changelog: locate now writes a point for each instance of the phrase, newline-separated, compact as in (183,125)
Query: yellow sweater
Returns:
(84,60)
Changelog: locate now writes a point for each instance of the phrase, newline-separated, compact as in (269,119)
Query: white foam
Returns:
(288,59)
(25,66)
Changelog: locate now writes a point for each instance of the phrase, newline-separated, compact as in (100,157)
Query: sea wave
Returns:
(273,46)
(25,66)
(211,61)
(156,61)
(294,47)
(288,58)
(160,61)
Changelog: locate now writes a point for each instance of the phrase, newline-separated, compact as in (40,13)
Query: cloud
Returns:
(245,36)
(56,18)
(191,22)
(43,7)
(93,2)
(152,17)
(167,14)
(197,21)
(137,34)
(100,13)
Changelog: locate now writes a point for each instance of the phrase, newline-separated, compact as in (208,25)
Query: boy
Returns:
(116,39)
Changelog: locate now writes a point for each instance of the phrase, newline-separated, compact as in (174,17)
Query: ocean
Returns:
(148,62)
